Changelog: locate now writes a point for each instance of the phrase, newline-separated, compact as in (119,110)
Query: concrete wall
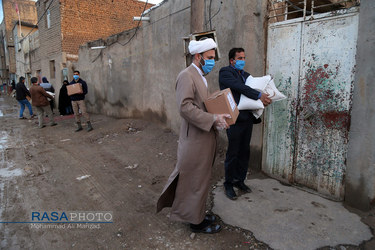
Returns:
(73,23)
(34,54)
(136,78)
(22,50)
(360,179)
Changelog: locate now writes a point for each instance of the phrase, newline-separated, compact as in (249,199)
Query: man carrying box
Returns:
(239,134)
(188,186)
(78,102)
(40,102)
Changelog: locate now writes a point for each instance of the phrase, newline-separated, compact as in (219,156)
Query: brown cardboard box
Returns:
(222,102)
(74,89)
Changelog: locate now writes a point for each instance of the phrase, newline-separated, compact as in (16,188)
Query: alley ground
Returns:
(127,163)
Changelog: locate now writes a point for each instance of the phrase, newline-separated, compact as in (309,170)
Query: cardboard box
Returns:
(74,89)
(222,102)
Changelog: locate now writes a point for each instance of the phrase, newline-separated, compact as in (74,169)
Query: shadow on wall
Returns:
(120,109)
(150,115)
(353,198)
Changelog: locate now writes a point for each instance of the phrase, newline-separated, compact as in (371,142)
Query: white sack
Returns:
(257,83)
(258,113)
(264,84)
(273,92)
(50,93)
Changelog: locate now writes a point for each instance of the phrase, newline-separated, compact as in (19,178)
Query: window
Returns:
(39,75)
(52,69)
(281,10)
(48,19)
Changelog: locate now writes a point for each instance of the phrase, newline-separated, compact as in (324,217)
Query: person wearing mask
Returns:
(188,186)
(40,102)
(65,104)
(21,95)
(48,87)
(239,134)
(78,102)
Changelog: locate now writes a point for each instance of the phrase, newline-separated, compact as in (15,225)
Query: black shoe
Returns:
(229,192)
(210,217)
(205,226)
(210,229)
(240,185)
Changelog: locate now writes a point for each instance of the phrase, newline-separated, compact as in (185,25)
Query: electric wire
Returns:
(136,30)
(135,33)
(209,14)
(38,21)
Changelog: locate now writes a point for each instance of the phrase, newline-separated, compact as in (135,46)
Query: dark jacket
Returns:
(21,91)
(39,96)
(47,86)
(229,77)
(78,97)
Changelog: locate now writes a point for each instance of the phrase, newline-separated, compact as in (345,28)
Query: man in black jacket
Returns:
(239,134)
(21,95)
(78,102)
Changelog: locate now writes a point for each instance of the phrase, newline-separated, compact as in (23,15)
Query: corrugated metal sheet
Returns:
(306,136)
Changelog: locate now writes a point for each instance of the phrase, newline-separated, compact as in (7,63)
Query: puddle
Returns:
(7,172)
(3,140)
(1,113)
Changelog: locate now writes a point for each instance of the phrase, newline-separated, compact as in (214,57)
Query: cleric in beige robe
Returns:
(187,188)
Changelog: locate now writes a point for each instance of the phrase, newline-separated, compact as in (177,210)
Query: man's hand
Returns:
(265,99)
(220,122)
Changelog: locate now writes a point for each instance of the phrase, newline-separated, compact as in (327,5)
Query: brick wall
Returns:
(49,37)
(27,14)
(84,21)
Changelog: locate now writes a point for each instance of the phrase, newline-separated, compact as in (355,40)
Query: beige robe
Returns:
(187,188)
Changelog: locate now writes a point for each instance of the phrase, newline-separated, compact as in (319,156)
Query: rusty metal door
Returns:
(306,136)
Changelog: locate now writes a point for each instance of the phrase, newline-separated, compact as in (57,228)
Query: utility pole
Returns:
(197,16)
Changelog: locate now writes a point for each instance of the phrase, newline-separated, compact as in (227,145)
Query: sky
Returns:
(1,11)
(1,6)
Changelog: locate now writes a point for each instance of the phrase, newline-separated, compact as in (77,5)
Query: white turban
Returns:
(196,47)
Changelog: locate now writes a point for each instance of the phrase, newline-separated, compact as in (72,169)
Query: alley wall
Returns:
(134,76)
(360,180)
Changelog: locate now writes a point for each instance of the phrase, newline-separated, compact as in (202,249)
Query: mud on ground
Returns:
(128,162)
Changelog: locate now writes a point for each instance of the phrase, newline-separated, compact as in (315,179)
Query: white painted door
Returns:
(306,136)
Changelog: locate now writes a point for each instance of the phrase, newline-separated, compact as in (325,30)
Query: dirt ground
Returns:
(128,162)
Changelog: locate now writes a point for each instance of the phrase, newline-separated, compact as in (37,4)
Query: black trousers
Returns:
(238,152)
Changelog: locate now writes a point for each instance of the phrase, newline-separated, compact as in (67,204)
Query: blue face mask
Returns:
(76,77)
(208,65)
(239,64)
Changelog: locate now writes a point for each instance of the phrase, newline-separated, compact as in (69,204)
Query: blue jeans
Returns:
(23,103)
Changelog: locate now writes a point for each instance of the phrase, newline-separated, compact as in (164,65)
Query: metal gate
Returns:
(306,136)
